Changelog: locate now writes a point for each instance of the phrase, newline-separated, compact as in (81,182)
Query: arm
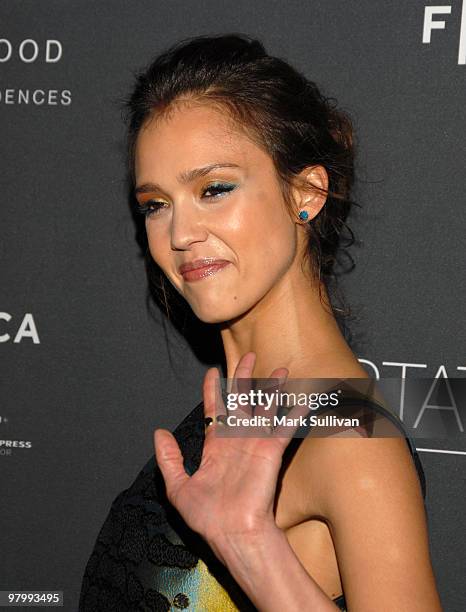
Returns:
(229,501)
(366,489)
(369,493)
(269,572)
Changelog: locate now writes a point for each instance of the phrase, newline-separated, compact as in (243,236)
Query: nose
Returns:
(187,226)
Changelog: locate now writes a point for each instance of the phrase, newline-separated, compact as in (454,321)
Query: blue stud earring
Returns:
(304,215)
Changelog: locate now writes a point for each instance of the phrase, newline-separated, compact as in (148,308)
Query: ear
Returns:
(307,191)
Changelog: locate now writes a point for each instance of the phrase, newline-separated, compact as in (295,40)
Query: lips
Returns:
(200,268)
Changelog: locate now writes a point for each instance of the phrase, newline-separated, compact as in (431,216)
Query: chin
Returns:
(218,313)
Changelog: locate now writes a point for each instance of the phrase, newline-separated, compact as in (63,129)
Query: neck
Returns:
(291,327)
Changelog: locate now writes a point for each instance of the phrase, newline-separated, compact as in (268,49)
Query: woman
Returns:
(243,172)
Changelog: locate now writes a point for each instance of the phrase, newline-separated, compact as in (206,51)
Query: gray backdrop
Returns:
(86,371)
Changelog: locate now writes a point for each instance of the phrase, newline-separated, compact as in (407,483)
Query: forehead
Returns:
(190,135)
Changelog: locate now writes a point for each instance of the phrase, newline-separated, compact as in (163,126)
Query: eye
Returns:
(214,190)
(217,189)
(150,207)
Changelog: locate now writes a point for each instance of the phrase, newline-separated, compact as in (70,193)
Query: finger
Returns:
(297,417)
(278,377)
(242,377)
(212,393)
(170,461)
(281,374)
(243,371)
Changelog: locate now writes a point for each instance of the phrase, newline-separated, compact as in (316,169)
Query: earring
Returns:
(303,215)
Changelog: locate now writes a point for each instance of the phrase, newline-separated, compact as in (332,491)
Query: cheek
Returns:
(159,243)
(264,242)
(261,214)
(273,252)
(270,232)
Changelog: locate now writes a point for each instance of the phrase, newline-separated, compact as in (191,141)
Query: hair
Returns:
(280,110)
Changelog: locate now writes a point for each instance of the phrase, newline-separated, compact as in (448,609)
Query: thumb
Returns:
(170,461)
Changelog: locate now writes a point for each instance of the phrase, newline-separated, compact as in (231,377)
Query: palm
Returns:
(234,488)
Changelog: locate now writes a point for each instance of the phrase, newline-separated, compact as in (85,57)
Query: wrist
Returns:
(265,566)
(245,549)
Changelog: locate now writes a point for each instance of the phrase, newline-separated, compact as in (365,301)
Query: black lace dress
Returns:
(147,559)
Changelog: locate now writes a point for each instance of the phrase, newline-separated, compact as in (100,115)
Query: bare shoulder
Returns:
(368,492)
(338,466)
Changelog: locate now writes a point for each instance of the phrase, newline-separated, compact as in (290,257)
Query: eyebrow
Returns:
(185,177)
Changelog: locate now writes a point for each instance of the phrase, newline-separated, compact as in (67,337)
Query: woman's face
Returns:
(210,193)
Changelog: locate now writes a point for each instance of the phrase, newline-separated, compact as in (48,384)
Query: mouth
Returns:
(202,268)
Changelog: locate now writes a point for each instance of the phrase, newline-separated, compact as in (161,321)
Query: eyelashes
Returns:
(216,191)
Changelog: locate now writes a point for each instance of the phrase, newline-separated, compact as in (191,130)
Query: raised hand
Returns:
(232,493)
